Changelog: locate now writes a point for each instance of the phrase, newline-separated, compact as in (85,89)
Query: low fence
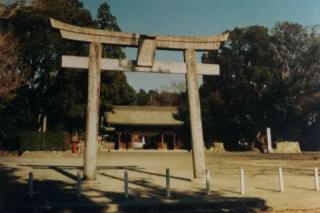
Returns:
(207,188)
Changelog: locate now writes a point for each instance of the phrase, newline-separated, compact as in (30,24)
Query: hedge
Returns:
(49,141)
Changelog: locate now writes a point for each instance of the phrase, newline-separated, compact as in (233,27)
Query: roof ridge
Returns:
(158,108)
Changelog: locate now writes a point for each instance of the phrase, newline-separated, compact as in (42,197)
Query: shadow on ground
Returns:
(59,196)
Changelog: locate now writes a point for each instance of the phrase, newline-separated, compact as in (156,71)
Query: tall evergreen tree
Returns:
(266,79)
(50,91)
(114,87)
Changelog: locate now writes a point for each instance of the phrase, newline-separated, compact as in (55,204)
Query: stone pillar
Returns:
(195,116)
(269,141)
(44,124)
(90,155)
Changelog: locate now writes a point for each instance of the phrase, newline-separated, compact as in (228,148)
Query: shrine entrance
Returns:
(144,127)
(147,46)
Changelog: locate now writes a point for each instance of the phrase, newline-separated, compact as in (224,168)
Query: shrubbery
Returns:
(49,141)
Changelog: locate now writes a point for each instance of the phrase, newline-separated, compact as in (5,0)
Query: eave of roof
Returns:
(143,116)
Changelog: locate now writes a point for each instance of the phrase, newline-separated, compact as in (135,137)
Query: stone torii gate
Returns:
(145,62)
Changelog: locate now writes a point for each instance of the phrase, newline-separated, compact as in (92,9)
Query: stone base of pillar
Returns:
(89,183)
(198,181)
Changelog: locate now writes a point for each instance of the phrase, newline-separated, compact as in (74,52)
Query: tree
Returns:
(175,87)
(40,50)
(155,98)
(50,91)
(237,99)
(114,87)
(11,77)
(298,53)
(267,79)
(142,98)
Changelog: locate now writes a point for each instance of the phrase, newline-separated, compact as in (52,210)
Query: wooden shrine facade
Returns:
(144,127)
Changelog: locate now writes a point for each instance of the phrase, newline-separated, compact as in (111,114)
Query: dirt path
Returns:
(55,176)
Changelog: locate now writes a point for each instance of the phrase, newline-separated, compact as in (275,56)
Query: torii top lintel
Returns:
(77,33)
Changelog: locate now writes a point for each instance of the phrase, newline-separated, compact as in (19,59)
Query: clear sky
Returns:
(199,17)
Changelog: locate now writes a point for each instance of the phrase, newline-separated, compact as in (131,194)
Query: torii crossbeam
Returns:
(147,46)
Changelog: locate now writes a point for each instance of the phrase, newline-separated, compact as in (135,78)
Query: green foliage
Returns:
(268,79)
(49,141)
(115,90)
(155,98)
(105,20)
(142,98)
(114,87)
(48,90)
(59,94)
(235,100)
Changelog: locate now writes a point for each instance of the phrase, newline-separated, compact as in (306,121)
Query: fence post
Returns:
(242,190)
(208,183)
(316,178)
(30,184)
(269,140)
(281,184)
(79,180)
(126,190)
(168,182)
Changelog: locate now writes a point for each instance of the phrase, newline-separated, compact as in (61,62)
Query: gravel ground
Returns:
(55,179)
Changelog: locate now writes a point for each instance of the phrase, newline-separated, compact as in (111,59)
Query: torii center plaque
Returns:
(147,46)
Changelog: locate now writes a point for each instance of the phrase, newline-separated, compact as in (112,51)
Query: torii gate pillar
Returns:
(90,154)
(195,116)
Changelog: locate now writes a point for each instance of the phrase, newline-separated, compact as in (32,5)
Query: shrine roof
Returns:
(143,115)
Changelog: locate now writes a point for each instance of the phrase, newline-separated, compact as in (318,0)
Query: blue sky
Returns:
(199,17)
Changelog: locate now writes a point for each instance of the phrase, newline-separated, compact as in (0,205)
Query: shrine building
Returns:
(144,127)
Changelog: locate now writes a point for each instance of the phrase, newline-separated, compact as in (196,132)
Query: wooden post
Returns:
(195,116)
(242,184)
(78,184)
(119,140)
(30,184)
(208,183)
(39,122)
(174,141)
(281,185)
(126,138)
(90,155)
(162,141)
(126,188)
(269,140)
(168,183)
(316,179)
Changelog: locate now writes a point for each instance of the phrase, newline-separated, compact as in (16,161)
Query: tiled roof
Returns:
(143,115)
